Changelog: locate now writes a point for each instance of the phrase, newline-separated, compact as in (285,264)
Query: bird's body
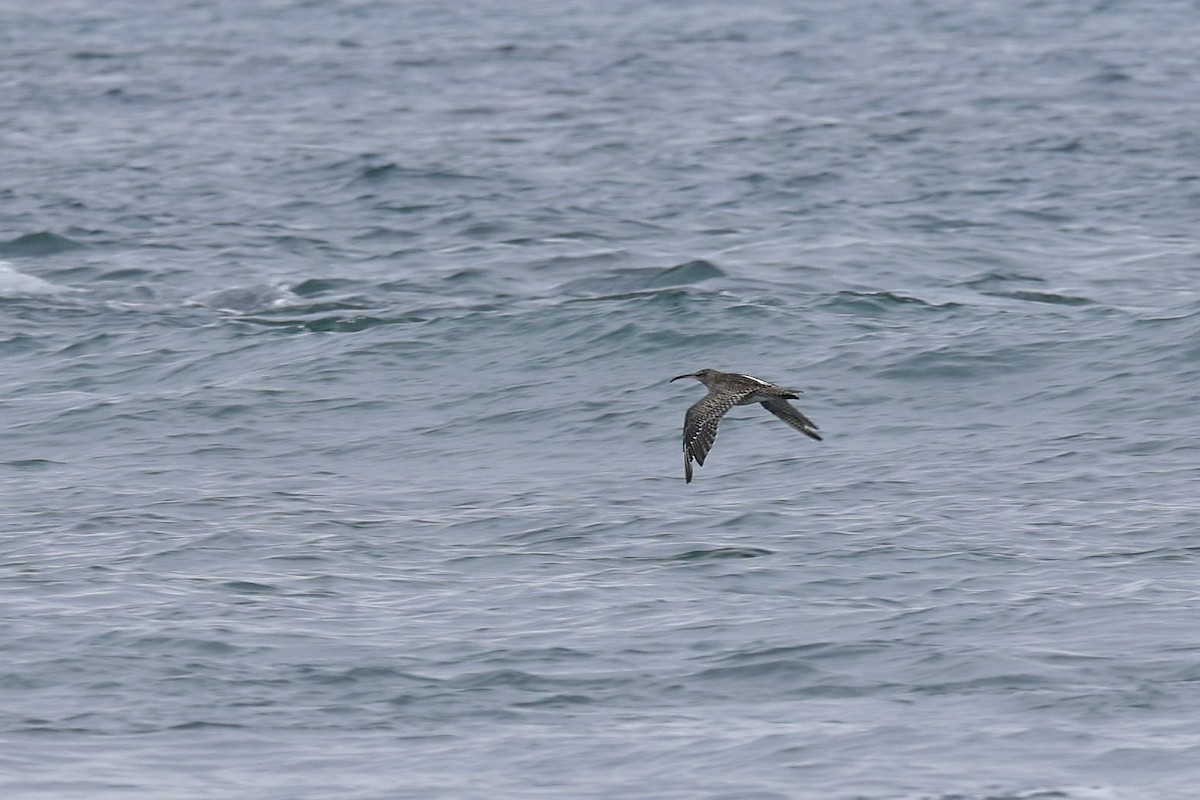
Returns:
(726,390)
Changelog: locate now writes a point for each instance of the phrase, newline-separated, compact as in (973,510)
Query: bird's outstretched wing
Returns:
(792,416)
(700,426)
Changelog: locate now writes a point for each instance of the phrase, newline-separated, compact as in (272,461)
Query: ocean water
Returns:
(339,458)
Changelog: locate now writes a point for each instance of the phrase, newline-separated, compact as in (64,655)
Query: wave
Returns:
(14,283)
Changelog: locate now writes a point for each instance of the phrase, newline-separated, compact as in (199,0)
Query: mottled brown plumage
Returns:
(726,390)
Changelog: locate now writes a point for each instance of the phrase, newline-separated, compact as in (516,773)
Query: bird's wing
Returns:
(700,424)
(792,416)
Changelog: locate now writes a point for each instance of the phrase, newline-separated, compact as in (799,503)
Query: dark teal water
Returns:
(339,458)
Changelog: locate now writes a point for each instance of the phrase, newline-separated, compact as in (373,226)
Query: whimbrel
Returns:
(726,390)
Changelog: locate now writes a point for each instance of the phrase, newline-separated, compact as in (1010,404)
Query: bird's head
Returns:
(703,376)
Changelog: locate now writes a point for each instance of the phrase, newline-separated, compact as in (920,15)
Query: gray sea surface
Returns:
(339,458)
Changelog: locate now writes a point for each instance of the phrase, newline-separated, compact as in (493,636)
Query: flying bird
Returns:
(726,390)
